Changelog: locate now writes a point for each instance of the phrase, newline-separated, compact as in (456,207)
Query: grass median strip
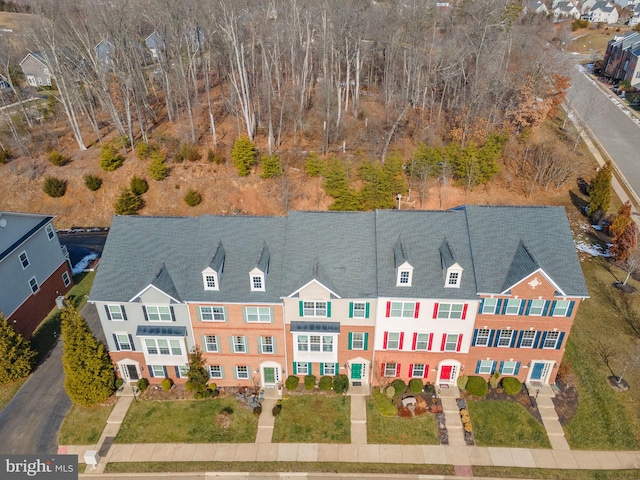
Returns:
(83,426)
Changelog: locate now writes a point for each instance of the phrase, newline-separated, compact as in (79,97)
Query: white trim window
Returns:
(561,308)
(402,309)
(158,313)
(357,340)
(482,337)
(258,314)
(422,341)
(509,368)
(513,306)
(485,367)
(489,306)
(404,278)
(123,341)
(451,342)
(210,280)
(314,309)
(393,341)
(267,345)
(50,231)
(302,368)
(157,371)
(33,285)
(551,340)
(211,314)
(24,260)
(528,337)
(257,283)
(242,372)
(390,369)
(536,308)
(239,344)
(505,338)
(211,344)
(162,346)
(314,343)
(116,312)
(329,368)
(359,310)
(182,371)
(66,279)
(214,371)
(450,310)
(418,370)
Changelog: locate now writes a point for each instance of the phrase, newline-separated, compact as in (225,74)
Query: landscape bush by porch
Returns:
(462,381)
(166,384)
(511,385)
(291,383)
(309,382)
(325,383)
(399,386)
(477,386)
(340,383)
(415,385)
(142,384)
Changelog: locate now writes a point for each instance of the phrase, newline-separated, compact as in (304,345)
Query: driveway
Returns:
(30,423)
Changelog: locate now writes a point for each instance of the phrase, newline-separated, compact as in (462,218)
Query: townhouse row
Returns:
(375,296)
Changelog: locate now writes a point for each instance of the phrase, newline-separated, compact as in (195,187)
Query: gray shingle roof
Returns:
(353,254)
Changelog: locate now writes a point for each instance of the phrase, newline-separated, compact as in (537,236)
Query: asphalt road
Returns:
(618,134)
(30,423)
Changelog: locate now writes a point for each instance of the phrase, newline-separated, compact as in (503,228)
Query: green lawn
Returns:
(194,421)
(313,419)
(420,430)
(8,391)
(505,424)
(605,419)
(83,426)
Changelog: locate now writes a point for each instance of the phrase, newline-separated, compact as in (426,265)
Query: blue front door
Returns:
(536,374)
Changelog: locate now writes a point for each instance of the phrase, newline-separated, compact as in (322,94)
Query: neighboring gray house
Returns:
(603,12)
(4,83)
(155,45)
(36,70)
(565,10)
(34,269)
(105,52)
(535,7)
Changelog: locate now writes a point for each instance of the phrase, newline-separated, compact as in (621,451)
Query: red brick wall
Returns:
(432,359)
(35,308)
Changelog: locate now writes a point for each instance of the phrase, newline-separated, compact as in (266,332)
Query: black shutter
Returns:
(106,309)
(124,312)
(115,340)
(133,348)
(173,315)
(144,312)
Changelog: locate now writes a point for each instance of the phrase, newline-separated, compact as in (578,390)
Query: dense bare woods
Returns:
(324,71)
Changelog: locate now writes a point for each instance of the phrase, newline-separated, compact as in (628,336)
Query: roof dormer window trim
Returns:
(453,278)
(257,282)
(405,276)
(210,281)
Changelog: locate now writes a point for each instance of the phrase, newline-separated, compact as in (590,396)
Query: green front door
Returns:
(269,375)
(356,371)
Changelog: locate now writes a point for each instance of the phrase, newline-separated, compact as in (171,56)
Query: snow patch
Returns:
(593,250)
(83,264)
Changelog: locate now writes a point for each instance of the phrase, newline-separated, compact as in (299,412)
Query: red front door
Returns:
(445,372)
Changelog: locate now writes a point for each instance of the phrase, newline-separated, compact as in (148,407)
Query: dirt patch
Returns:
(223,420)
(566,399)
(156,393)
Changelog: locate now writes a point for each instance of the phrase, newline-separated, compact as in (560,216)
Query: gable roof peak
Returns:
(162,281)
(522,265)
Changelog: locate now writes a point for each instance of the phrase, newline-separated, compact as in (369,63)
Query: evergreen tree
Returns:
(383,182)
(197,373)
(89,376)
(244,155)
(313,165)
(128,203)
(16,356)
(271,166)
(600,191)
(624,233)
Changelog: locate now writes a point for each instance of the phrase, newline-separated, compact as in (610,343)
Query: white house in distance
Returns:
(36,70)
(564,10)
(535,7)
(604,12)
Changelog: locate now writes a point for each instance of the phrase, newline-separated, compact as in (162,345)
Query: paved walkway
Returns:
(456,453)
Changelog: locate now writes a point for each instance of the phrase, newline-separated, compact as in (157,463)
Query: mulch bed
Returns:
(566,399)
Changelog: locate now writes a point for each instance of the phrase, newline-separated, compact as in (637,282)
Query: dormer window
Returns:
(403,267)
(453,277)
(257,280)
(210,280)
(405,274)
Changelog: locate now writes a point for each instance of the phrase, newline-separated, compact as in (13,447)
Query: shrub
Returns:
(578,24)
(511,385)
(313,165)
(192,198)
(190,386)
(291,383)
(197,395)
(277,408)
(142,384)
(477,386)
(144,150)
(494,380)
(257,411)
(206,393)
(415,385)
(325,383)
(57,158)
(214,393)
(54,187)
(214,157)
(166,384)
(92,182)
(430,388)
(400,386)
(110,159)
(188,152)
(158,169)
(244,155)
(462,382)
(383,405)
(390,392)
(5,155)
(212,386)
(228,409)
(139,186)
(119,382)
(271,166)
(309,382)
(340,383)
(128,203)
